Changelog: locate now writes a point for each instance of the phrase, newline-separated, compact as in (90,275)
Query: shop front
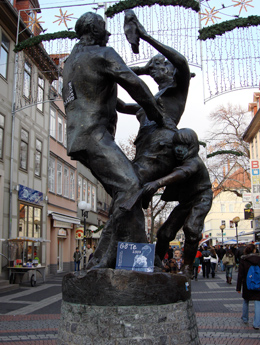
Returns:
(63,242)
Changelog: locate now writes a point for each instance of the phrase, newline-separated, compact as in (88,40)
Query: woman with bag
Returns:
(213,261)
(229,261)
(250,258)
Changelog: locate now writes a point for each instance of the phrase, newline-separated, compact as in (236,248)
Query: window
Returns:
(27,80)
(72,185)
(84,192)
(38,158)
(79,188)
(52,122)
(59,178)
(51,175)
(40,93)
(60,128)
(4,53)
(2,126)
(231,224)
(223,208)
(89,194)
(24,149)
(66,182)
(223,222)
(93,198)
(65,134)
(30,225)
(231,208)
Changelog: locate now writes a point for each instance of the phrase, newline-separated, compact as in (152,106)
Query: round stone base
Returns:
(168,324)
(119,307)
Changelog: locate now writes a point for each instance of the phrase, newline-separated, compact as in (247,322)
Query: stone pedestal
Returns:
(127,308)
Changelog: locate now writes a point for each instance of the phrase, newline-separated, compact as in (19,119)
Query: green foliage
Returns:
(229,25)
(46,37)
(223,152)
(128,4)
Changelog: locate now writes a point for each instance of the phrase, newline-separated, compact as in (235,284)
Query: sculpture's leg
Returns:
(113,169)
(169,229)
(193,227)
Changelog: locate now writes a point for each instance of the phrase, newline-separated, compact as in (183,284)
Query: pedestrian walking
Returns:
(213,261)
(229,261)
(89,251)
(77,258)
(221,252)
(196,264)
(205,262)
(250,258)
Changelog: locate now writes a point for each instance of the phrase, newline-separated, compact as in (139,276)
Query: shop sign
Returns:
(79,234)
(62,232)
(30,195)
(59,224)
(246,197)
(255,182)
(249,213)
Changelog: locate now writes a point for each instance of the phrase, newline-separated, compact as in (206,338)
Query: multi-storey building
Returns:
(252,136)
(24,118)
(225,207)
(39,189)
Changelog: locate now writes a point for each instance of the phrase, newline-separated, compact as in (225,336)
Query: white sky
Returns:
(196,112)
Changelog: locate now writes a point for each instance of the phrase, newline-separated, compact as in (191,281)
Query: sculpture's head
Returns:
(161,70)
(92,25)
(185,143)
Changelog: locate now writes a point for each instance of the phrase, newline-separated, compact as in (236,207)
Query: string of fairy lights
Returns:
(229,62)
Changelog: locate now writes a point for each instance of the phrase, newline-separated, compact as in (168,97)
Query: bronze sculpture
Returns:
(91,74)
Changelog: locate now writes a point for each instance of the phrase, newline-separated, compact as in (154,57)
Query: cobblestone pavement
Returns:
(30,316)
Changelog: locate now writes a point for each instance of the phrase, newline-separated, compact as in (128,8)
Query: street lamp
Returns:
(222,227)
(85,208)
(236,220)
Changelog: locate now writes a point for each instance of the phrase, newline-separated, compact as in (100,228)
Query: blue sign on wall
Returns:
(30,195)
(135,256)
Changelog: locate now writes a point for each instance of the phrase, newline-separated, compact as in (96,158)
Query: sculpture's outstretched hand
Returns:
(150,188)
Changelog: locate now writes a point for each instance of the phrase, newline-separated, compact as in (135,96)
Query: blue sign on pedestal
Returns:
(135,256)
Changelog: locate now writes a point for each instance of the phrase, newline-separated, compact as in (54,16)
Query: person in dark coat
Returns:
(250,258)
(221,252)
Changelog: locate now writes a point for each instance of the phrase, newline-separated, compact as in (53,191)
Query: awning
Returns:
(203,241)
(63,218)
(28,239)
(92,228)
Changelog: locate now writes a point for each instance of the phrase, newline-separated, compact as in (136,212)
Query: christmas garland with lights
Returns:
(229,25)
(128,4)
(222,152)
(30,42)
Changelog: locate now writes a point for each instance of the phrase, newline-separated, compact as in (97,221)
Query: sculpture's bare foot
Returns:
(188,271)
(158,262)
(92,263)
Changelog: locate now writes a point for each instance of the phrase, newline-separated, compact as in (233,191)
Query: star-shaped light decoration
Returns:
(210,15)
(33,22)
(242,4)
(63,18)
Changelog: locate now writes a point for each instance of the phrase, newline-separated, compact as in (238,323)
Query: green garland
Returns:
(46,37)
(128,4)
(202,143)
(222,152)
(229,25)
